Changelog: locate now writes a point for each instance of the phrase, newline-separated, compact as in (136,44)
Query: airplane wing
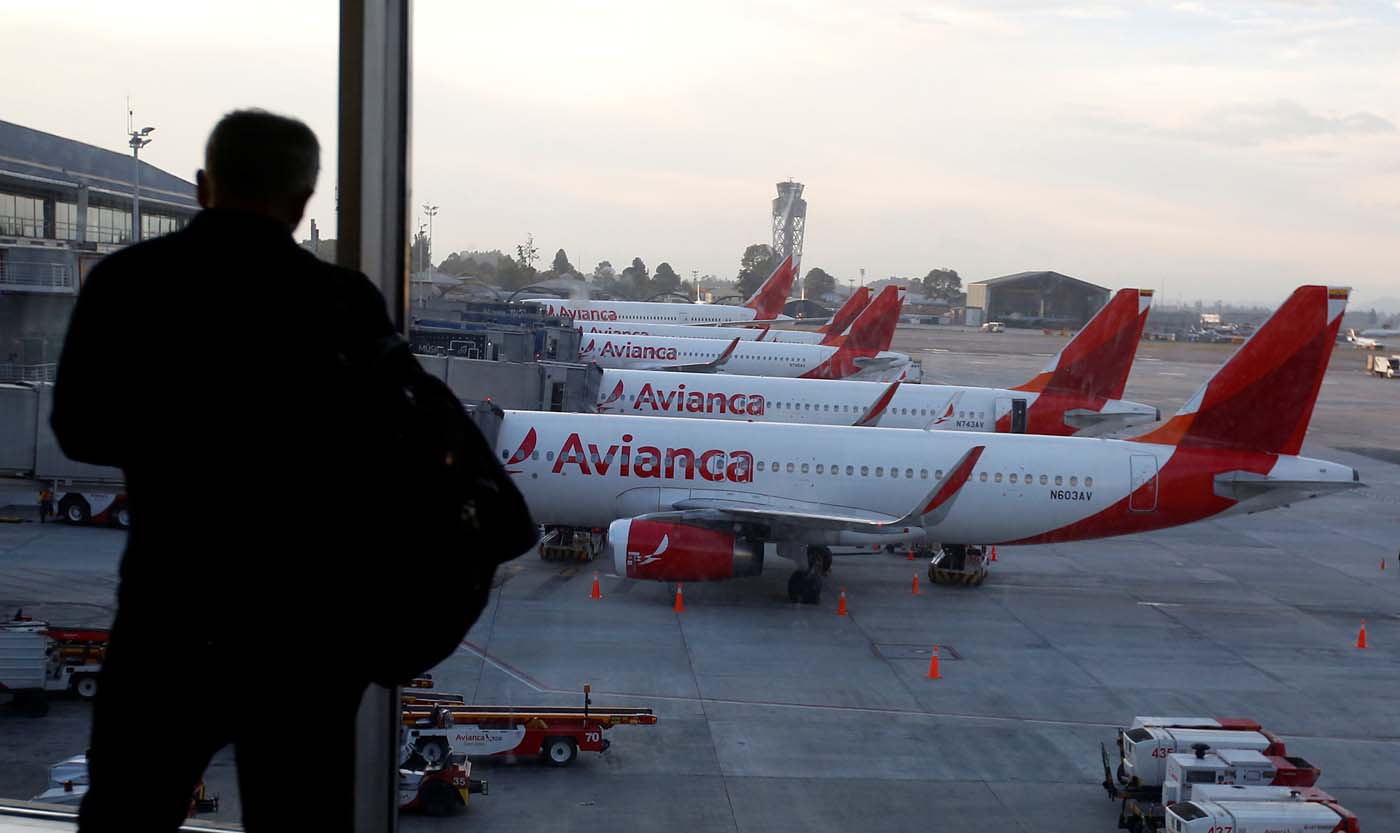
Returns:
(873,414)
(703,367)
(1093,423)
(877,362)
(721,509)
(1243,485)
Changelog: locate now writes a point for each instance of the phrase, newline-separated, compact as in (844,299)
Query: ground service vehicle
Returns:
(1175,722)
(68,783)
(437,789)
(82,492)
(1260,816)
(1248,792)
(1142,807)
(36,660)
(1146,749)
(438,725)
(1386,367)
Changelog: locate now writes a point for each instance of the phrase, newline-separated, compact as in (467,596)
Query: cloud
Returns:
(1281,120)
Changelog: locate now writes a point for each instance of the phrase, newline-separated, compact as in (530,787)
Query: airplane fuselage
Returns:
(749,358)
(584,311)
(752,333)
(844,402)
(590,469)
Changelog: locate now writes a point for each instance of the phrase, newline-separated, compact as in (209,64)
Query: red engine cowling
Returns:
(659,551)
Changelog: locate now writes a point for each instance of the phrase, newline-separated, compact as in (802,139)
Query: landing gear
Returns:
(958,564)
(565,543)
(805,586)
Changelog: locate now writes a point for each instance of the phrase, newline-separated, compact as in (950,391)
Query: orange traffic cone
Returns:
(916,582)
(994,553)
(911,554)
(680,600)
(1361,635)
(841,608)
(596,592)
(933,665)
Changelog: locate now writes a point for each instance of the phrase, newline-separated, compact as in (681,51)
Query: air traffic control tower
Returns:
(789,220)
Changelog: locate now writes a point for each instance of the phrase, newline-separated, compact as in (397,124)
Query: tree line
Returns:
(637,281)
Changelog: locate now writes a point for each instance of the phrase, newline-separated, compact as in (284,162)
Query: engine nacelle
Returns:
(661,551)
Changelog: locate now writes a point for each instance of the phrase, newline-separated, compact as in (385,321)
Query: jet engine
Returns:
(662,551)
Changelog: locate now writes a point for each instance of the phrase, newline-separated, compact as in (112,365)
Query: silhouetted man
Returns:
(208,364)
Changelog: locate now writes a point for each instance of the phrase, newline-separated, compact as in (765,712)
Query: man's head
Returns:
(262,163)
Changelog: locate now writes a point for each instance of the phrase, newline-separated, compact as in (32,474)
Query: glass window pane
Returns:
(64,144)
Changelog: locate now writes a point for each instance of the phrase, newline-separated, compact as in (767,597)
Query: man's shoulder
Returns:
(139,259)
(340,278)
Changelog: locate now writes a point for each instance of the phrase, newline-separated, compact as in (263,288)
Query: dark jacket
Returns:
(209,365)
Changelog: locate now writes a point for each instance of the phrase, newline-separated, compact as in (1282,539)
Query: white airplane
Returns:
(765,305)
(1361,342)
(1079,391)
(696,500)
(858,356)
(829,334)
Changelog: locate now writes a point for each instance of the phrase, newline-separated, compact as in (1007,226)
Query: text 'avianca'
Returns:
(628,350)
(653,461)
(680,400)
(581,314)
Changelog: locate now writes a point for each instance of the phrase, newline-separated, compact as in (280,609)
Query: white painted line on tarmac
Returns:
(871,710)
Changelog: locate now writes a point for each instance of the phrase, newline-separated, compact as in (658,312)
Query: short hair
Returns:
(261,156)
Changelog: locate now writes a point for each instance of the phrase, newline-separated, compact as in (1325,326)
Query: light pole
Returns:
(431,211)
(138,141)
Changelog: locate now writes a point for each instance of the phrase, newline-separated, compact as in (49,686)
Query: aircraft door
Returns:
(1018,416)
(1142,483)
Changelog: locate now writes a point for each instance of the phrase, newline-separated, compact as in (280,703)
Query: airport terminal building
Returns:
(63,205)
(1034,299)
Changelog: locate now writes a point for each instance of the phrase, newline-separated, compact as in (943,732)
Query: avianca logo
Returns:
(695,402)
(613,397)
(582,313)
(636,559)
(628,350)
(527,447)
(651,461)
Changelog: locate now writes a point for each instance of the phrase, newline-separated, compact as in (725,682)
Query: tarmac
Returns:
(782,717)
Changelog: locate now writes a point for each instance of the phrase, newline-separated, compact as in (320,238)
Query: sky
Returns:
(1217,151)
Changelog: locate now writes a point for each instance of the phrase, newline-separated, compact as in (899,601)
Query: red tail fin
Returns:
(767,302)
(848,312)
(1097,360)
(873,329)
(1263,397)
